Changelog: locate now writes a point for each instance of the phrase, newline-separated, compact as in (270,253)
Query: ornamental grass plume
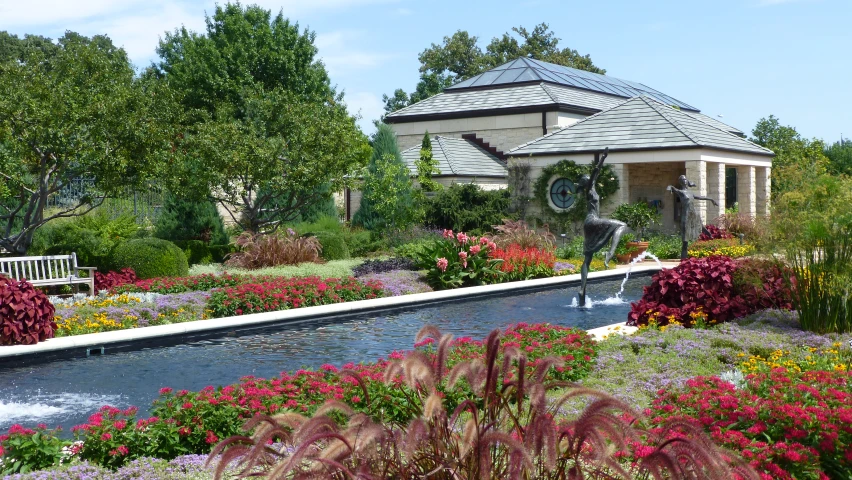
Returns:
(517,232)
(507,427)
(259,251)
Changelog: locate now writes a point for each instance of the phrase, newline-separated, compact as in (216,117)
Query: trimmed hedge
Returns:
(333,246)
(151,258)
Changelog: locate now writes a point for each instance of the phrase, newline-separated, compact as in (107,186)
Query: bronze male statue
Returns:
(597,231)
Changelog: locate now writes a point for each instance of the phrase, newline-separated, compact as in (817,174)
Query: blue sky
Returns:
(742,59)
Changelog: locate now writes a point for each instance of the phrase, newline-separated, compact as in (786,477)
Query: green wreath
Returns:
(607,185)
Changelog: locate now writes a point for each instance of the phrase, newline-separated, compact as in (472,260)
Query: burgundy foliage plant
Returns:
(712,232)
(110,280)
(26,315)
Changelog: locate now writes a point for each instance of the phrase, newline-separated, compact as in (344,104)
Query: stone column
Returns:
(622,195)
(764,190)
(696,172)
(746,189)
(715,189)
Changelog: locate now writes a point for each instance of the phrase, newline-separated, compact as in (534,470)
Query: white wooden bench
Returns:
(48,270)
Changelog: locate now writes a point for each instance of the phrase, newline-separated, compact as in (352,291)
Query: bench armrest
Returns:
(87,268)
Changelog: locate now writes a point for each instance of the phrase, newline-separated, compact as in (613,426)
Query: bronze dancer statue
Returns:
(597,231)
(690,222)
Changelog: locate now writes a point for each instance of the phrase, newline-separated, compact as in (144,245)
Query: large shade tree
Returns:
(71,115)
(797,159)
(459,57)
(263,131)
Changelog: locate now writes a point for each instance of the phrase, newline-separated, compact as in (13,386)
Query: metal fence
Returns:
(144,204)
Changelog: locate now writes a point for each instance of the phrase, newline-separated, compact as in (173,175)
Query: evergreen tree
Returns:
(427,166)
(387,199)
(183,219)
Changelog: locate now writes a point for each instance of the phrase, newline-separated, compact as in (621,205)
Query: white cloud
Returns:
(368,105)
(340,54)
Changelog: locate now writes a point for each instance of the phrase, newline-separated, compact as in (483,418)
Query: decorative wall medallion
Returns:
(563,194)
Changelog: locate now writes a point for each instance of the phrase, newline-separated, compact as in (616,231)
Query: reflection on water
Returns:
(66,392)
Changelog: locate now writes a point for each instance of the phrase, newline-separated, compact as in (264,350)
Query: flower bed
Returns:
(128,310)
(789,425)
(729,247)
(192,283)
(191,422)
(286,293)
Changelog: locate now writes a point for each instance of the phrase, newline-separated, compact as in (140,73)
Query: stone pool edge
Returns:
(94,343)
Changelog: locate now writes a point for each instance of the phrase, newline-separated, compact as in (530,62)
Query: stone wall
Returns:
(648,181)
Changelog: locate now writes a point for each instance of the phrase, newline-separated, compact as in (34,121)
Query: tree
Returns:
(459,58)
(427,166)
(71,113)
(840,157)
(387,197)
(187,219)
(264,134)
(796,159)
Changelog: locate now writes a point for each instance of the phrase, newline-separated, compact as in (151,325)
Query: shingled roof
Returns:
(526,70)
(641,123)
(458,157)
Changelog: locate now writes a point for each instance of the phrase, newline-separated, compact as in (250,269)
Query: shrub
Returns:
(459,261)
(286,293)
(26,315)
(739,224)
(665,246)
(24,450)
(788,425)
(638,216)
(111,280)
(333,246)
(519,263)
(200,253)
(764,284)
(190,219)
(729,247)
(517,232)
(388,200)
(813,228)
(381,266)
(697,288)
(504,429)
(362,242)
(572,249)
(415,248)
(712,232)
(467,208)
(92,237)
(151,258)
(282,248)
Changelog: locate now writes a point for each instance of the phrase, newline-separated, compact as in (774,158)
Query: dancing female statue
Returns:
(597,231)
(690,221)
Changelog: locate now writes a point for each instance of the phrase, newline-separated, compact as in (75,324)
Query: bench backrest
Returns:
(47,267)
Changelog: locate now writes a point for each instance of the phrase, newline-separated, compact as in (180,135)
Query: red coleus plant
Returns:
(788,425)
(111,280)
(697,284)
(26,315)
(187,284)
(715,288)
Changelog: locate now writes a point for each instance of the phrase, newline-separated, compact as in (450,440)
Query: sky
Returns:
(739,59)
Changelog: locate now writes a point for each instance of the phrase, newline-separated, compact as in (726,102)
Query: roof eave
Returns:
(636,149)
(546,107)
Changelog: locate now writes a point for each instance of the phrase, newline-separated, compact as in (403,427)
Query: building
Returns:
(540,113)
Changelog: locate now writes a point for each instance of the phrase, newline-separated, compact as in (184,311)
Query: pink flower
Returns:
(474,249)
(105,437)
(448,233)
(442,264)
(463,256)
(462,238)
(165,390)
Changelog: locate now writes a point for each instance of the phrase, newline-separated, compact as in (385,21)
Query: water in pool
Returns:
(66,392)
